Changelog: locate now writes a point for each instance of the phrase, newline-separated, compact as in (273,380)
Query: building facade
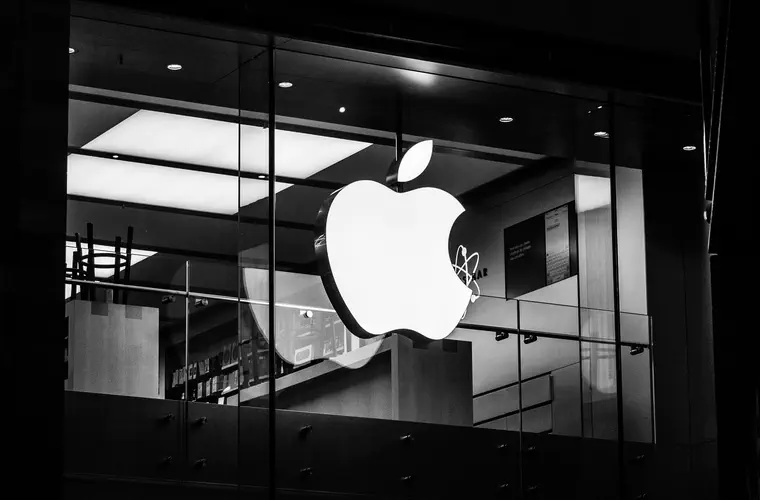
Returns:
(367,256)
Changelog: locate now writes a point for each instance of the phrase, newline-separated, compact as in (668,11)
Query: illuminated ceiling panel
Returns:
(201,141)
(162,186)
(197,141)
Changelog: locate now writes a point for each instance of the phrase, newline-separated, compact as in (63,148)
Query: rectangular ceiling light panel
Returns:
(197,141)
(201,141)
(162,186)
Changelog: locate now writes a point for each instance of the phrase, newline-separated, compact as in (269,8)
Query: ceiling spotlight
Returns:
(506,119)
(174,67)
(285,85)
(341,109)
(689,148)
(115,156)
(72,50)
(602,134)
(261,176)
(599,107)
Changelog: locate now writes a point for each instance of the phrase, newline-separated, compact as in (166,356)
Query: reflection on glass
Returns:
(599,390)
(637,396)
(551,377)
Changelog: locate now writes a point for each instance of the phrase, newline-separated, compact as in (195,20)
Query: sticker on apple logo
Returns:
(370,235)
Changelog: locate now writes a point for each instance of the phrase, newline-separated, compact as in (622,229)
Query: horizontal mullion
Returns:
(195,213)
(204,168)
(548,335)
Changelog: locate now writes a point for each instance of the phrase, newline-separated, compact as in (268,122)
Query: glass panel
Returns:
(116,343)
(551,388)
(600,418)
(637,395)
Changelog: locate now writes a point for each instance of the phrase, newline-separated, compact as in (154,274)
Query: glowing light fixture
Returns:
(342,109)
(72,50)
(196,141)
(285,85)
(163,186)
(689,148)
(418,77)
(602,134)
(174,67)
(506,119)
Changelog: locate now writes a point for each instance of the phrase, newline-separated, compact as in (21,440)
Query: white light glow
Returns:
(201,141)
(602,135)
(174,67)
(506,119)
(72,50)
(285,85)
(591,193)
(102,273)
(162,186)
(342,109)
(388,254)
(196,141)
(415,161)
(418,77)
(689,148)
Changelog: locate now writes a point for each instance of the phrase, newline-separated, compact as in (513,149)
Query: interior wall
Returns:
(495,363)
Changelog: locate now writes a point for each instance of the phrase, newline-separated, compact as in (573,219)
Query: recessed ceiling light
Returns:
(689,148)
(72,50)
(506,119)
(342,109)
(599,107)
(602,134)
(174,67)
(285,85)
(115,156)
(262,176)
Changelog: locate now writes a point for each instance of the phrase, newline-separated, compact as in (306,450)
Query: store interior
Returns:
(181,156)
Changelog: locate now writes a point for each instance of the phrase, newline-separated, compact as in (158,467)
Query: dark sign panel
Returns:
(540,251)
(525,257)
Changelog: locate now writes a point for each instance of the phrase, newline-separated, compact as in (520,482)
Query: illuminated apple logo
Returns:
(384,255)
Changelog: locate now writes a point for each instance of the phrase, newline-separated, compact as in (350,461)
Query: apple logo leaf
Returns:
(413,163)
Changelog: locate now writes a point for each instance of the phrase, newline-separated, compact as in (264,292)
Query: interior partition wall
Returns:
(199,173)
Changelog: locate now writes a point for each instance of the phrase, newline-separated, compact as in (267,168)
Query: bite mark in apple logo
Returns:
(367,234)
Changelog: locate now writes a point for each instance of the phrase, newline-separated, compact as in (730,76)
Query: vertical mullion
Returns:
(519,400)
(272,323)
(616,295)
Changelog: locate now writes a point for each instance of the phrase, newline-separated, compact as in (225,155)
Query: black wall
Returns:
(32,263)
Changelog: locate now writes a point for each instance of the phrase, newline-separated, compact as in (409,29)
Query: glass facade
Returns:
(227,251)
